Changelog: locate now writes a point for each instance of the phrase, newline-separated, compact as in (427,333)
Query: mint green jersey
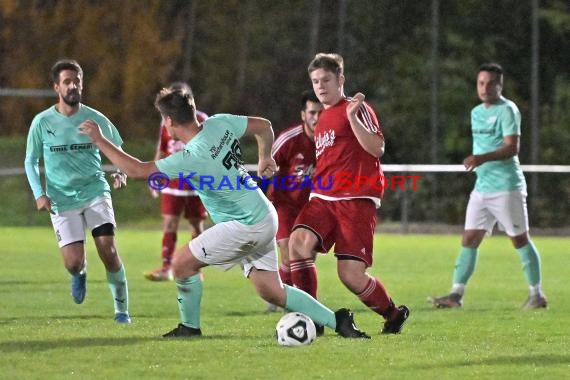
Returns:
(72,163)
(211,163)
(489,126)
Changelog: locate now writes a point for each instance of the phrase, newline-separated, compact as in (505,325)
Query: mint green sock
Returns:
(189,298)
(118,284)
(530,259)
(465,265)
(298,300)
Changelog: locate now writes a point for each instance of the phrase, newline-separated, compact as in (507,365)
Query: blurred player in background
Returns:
(175,201)
(77,194)
(294,153)
(348,140)
(245,220)
(500,190)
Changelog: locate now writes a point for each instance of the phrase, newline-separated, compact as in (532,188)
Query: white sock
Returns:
(535,290)
(458,288)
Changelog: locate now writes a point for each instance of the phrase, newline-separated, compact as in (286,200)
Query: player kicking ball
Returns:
(245,220)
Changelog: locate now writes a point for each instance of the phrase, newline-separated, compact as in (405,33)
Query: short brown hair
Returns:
(176,104)
(327,61)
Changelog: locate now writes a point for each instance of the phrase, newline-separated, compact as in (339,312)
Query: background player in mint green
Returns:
(500,190)
(76,194)
(245,220)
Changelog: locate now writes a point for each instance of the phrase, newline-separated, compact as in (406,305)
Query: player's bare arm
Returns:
(370,141)
(130,165)
(262,130)
(509,149)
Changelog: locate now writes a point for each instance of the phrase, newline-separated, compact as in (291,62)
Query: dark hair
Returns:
(181,86)
(327,61)
(65,64)
(308,96)
(492,68)
(176,104)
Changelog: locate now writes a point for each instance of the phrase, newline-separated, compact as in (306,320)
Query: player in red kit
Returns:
(175,201)
(294,153)
(349,143)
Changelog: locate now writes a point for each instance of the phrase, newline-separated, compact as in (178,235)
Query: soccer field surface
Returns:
(43,334)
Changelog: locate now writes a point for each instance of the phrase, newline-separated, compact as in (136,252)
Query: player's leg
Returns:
(511,211)
(310,234)
(70,233)
(269,286)
(186,269)
(170,208)
(286,219)
(302,245)
(354,249)
(285,263)
(100,219)
(478,221)
(196,214)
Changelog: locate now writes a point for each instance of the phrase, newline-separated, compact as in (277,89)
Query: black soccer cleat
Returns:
(182,331)
(320,329)
(345,326)
(395,325)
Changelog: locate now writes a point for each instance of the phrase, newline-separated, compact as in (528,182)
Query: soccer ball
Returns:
(295,329)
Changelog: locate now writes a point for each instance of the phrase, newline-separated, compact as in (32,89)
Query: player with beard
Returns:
(76,194)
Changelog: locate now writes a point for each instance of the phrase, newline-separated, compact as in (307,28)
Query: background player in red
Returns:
(294,153)
(175,201)
(348,141)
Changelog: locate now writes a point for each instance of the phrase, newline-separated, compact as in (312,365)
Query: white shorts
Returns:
(508,208)
(227,244)
(69,226)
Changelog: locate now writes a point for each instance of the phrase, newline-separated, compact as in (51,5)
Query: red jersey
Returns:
(294,153)
(344,169)
(168,146)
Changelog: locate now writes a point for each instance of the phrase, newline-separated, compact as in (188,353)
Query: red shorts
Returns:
(286,216)
(174,205)
(347,224)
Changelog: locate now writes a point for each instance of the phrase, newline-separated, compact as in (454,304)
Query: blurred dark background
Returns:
(416,61)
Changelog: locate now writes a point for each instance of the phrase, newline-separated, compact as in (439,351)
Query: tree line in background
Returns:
(416,61)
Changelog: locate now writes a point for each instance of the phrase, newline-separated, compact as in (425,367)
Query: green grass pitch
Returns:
(44,335)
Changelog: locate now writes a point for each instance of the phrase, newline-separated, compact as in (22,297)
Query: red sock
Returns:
(304,275)
(376,298)
(168,246)
(285,274)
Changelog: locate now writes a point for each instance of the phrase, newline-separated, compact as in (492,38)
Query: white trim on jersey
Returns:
(286,136)
(178,192)
(366,119)
(377,201)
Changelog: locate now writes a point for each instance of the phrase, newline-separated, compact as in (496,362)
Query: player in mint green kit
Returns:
(245,220)
(500,190)
(77,194)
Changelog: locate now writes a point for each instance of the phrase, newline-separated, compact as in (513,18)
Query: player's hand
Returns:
(267,167)
(471,162)
(354,104)
(154,193)
(119,180)
(91,129)
(44,203)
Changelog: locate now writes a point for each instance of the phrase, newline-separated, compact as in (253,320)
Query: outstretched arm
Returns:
(261,129)
(130,165)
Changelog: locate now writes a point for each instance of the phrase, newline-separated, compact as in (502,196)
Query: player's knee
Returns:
(107,229)
(301,244)
(520,240)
